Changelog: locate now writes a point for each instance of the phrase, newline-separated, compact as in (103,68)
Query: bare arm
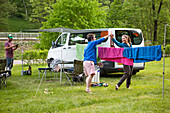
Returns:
(11,46)
(107,36)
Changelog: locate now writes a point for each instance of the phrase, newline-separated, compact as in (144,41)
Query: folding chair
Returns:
(76,74)
(3,73)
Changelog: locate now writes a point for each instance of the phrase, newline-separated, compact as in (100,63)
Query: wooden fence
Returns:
(20,36)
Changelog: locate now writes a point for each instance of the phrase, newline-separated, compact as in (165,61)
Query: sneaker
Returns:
(7,69)
(88,91)
(128,87)
(116,87)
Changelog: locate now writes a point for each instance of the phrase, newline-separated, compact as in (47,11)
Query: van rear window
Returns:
(81,38)
(136,37)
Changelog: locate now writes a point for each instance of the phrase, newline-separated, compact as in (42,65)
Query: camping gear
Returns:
(76,74)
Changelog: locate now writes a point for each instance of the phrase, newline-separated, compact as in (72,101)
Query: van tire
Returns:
(49,61)
(102,73)
(134,72)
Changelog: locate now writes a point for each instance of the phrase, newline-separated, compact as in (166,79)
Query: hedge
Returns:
(37,56)
(167,49)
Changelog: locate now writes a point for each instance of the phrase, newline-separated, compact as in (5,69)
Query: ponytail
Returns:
(129,39)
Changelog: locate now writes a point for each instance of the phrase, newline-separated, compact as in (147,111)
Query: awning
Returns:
(61,29)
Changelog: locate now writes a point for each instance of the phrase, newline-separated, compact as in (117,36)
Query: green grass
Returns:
(145,95)
(16,24)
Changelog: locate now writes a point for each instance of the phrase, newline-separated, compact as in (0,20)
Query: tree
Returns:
(156,15)
(26,12)
(148,15)
(5,9)
(121,13)
(75,14)
(41,9)
(23,8)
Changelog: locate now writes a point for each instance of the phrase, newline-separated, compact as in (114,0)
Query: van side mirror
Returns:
(53,44)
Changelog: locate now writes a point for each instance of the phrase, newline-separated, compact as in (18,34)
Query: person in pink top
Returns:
(9,49)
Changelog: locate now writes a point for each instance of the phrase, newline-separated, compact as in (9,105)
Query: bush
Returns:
(35,55)
(43,54)
(167,49)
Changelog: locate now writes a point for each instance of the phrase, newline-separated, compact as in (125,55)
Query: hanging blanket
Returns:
(143,54)
(114,55)
(80,51)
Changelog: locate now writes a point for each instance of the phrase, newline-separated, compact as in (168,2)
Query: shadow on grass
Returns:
(117,75)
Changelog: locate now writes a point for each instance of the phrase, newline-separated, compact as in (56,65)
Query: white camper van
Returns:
(64,47)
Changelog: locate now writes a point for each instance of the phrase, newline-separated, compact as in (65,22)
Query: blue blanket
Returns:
(143,54)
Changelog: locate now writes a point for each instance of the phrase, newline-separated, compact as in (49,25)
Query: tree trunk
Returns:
(155,30)
(25,9)
(157,18)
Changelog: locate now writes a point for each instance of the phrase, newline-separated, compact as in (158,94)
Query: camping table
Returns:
(44,70)
(62,67)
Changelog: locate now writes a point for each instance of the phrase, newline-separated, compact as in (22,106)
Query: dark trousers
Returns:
(9,62)
(127,75)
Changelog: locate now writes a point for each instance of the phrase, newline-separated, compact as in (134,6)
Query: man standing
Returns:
(90,58)
(9,49)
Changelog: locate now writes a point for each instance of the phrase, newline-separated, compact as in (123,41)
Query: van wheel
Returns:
(134,72)
(49,61)
(102,73)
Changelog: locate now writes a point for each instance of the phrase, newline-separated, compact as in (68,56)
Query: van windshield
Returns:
(61,40)
(136,37)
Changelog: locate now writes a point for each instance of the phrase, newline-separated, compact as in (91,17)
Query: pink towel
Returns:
(114,55)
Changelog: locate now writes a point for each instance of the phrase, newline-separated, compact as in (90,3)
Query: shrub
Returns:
(35,55)
(43,54)
(167,49)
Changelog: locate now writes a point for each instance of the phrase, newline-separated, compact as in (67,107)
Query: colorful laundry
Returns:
(114,55)
(80,51)
(143,54)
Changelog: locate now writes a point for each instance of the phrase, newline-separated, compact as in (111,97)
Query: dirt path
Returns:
(20,62)
(17,62)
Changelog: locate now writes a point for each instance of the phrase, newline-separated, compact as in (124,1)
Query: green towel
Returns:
(80,52)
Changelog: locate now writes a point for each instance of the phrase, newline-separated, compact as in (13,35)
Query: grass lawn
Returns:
(145,95)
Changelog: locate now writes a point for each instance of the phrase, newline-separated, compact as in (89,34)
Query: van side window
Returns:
(61,40)
(119,34)
(136,37)
(77,38)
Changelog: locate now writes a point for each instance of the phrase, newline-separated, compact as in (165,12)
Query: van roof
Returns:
(101,29)
(61,29)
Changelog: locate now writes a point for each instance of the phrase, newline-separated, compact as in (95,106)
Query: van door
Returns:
(69,51)
(58,51)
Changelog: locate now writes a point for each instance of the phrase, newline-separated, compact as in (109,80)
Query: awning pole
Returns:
(22,55)
(164,61)
(61,58)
